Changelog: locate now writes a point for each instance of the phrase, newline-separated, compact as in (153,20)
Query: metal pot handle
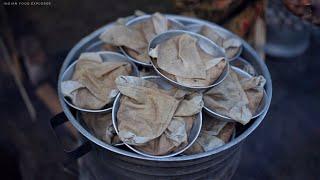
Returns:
(73,154)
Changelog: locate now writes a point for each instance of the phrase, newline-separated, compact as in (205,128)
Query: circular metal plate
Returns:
(106,56)
(194,132)
(259,111)
(208,46)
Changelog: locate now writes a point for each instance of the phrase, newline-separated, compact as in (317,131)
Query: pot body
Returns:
(103,164)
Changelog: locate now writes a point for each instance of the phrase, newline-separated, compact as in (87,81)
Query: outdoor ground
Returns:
(287,143)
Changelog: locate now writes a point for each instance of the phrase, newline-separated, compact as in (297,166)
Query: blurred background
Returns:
(36,39)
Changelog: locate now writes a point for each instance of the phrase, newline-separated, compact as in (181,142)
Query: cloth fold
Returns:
(229,44)
(92,84)
(135,38)
(254,90)
(100,124)
(183,60)
(214,133)
(144,111)
(228,98)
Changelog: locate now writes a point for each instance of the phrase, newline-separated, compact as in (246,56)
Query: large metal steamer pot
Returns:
(114,163)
